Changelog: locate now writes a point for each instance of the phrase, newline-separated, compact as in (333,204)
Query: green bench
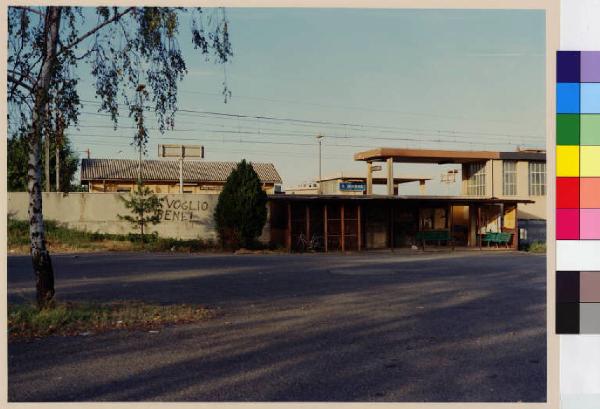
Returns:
(438,236)
(496,238)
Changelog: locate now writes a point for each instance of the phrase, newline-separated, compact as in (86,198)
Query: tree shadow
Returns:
(289,330)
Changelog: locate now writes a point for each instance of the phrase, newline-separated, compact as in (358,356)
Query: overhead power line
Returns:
(338,124)
(346,107)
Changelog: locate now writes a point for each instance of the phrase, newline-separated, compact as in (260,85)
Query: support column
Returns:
(451,224)
(421,229)
(307,222)
(359,228)
(391,228)
(288,241)
(478,232)
(516,229)
(343,228)
(390,176)
(325,236)
(369,178)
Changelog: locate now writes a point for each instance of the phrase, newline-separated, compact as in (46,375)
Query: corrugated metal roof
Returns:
(166,170)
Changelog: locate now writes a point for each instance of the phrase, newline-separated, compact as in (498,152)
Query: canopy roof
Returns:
(443,156)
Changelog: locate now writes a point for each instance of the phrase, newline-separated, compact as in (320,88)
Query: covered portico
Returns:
(355,223)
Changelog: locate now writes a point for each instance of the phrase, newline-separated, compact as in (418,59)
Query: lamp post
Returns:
(319,137)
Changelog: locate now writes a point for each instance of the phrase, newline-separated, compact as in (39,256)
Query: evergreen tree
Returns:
(241,211)
(145,207)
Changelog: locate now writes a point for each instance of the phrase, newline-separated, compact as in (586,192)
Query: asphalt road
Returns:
(369,327)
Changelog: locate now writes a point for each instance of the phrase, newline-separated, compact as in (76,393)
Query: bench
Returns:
(496,238)
(434,235)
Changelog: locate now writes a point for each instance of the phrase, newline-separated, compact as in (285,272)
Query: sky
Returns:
(431,79)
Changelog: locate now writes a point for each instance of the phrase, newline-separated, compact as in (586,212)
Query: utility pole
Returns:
(319,137)
(181,170)
(140,167)
(47,164)
(57,157)
(140,128)
(59,140)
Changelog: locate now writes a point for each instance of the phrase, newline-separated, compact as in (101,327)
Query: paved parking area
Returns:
(466,326)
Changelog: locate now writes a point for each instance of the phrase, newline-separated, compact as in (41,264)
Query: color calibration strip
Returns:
(578,192)
(578,302)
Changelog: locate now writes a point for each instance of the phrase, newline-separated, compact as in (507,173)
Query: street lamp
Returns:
(319,137)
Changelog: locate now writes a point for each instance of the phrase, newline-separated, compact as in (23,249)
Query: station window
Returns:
(476,180)
(537,178)
(509,178)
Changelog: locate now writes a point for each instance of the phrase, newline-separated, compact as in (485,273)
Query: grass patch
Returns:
(63,239)
(537,247)
(25,321)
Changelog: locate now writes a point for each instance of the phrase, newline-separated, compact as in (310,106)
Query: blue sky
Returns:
(450,79)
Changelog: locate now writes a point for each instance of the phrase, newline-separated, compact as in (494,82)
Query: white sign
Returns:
(180,151)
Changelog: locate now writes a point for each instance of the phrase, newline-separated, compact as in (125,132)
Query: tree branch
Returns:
(19,83)
(29,9)
(92,31)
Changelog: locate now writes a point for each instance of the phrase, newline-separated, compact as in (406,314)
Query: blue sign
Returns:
(352,186)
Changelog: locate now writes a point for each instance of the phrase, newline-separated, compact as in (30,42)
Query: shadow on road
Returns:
(293,328)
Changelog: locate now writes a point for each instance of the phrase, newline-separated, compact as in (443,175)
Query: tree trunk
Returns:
(47,151)
(42,265)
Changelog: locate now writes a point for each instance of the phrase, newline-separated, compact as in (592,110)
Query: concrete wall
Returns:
(185,216)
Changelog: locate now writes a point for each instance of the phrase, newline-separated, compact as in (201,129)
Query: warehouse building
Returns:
(163,176)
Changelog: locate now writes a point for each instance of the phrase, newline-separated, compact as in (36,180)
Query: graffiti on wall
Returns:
(183,210)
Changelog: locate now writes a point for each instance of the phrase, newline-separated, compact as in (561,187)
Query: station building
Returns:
(501,192)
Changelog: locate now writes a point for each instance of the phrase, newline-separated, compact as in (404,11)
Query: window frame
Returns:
(476,182)
(509,178)
(537,178)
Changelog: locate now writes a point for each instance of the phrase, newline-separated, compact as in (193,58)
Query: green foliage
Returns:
(241,211)
(18,234)
(56,234)
(145,207)
(27,321)
(537,247)
(17,158)
(133,46)
(122,48)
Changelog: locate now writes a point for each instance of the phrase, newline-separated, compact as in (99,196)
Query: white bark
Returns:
(42,265)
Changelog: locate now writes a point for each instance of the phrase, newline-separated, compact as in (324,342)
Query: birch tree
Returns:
(123,48)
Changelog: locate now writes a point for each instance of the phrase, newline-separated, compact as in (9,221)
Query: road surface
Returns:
(371,327)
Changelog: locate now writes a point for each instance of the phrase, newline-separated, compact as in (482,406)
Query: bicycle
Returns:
(302,244)
(314,244)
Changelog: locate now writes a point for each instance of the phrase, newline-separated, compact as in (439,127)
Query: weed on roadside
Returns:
(25,321)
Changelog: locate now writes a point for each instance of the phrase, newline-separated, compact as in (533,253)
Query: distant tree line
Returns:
(17,155)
